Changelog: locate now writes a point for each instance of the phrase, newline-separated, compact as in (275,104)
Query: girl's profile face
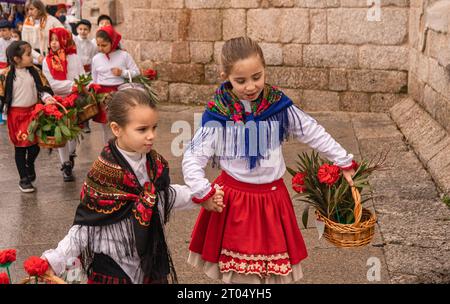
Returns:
(26,60)
(54,43)
(139,133)
(103,46)
(33,11)
(247,78)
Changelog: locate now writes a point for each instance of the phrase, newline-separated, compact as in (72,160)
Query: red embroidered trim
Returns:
(206,197)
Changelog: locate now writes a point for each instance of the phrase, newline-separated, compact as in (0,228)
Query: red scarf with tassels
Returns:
(57,61)
(113,35)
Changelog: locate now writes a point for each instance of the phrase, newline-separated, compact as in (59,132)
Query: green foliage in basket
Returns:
(321,185)
(50,121)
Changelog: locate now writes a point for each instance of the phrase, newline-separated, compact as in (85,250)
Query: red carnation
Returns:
(4,278)
(7,256)
(298,182)
(69,101)
(211,104)
(37,109)
(150,74)
(95,87)
(328,174)
(35,266)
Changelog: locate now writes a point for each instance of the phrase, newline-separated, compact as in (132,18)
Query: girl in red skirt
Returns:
(110,67)
(23,87)
(255,238)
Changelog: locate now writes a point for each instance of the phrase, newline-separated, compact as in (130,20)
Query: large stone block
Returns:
(132,47)
(140,28)
(317,3)
(273,53)
(423,63)
(277,3)
(190,94)
(164,4)
(174,24)
(198,4)
(218,51)
(298,78)
(438,47)
(338,80)
(414,27)
(190,73)
(355,102)
(318,26)
(383,3)
(352,26)
(314,100)
(383,102)
(205,25)
(245,3)
(293,54)
(384,57)
(443,112)
(212,74)
(161,89)
(416,88)
(430,98)
(155,51)
(180,52)
(201,52)
(377,81)
(438,78)
(234,23)
(295,95)
(278,25)
(334,56)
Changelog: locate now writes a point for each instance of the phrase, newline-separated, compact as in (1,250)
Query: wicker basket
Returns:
(88,112)
(51,140)
(358,234)
(47,279)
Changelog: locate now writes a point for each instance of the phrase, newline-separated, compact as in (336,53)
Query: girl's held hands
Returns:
(116,71)
(215,203)
(348,174)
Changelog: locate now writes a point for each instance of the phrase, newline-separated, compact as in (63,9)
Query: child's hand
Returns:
(40,59)
(49,100)
(215,203)
(116,71)
(348,174)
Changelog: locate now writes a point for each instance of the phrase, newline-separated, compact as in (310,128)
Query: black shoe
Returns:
(72,159)
(25,185)
(67,172)
(31,173)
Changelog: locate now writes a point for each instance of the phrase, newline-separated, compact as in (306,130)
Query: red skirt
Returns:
(18,121)
(101,117)
(256,233)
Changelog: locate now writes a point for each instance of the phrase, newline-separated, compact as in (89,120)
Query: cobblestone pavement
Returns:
(411,244)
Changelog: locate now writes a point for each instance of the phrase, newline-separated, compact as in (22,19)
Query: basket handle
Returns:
(358,206)
(129,76)
(51,278)
(61,106)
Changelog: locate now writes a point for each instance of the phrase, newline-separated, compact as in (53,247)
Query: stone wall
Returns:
(429,72)
(325,53)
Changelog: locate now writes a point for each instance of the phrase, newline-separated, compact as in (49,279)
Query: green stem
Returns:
(9,275)
(337,214)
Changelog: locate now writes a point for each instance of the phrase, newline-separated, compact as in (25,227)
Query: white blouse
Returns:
(3,46)
(25,93)
(74,70)
(73,243)
(86,49)
(301,125)
(101,68)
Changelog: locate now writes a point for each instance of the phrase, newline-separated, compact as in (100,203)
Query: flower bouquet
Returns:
(321,185)
(86,97)
(53,125)
(36,269)
(142,81)
(7,257)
